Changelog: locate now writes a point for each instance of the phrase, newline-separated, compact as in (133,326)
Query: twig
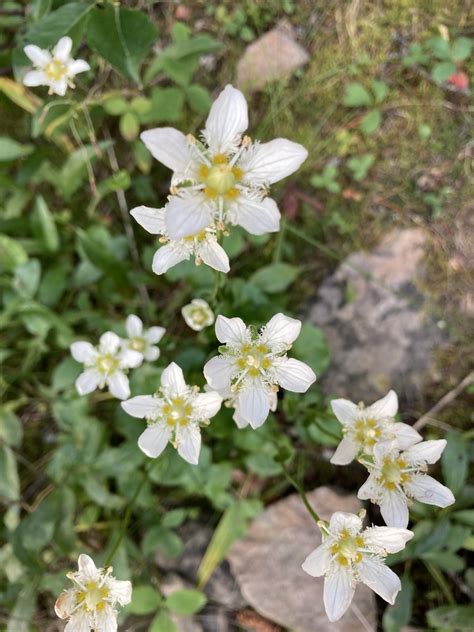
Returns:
(301,492)
(444,401)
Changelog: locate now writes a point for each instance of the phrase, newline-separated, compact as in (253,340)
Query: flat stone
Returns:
(377,321)
(273,56)
(267,565)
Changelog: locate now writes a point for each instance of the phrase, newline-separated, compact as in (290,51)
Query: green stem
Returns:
(302,493)
(313,242)
(279,241)
(439,578)
(215,294)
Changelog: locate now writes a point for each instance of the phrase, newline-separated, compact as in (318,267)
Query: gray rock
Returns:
(377,321)
(272,56)
(267,565)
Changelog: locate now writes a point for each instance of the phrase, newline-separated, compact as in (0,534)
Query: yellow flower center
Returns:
(253,358)
(367,432)
(220,179)
(177,411)
(55,70)
(107,363)
(199,236)
(346,549)
(94,596)
(392,473)
(137,344)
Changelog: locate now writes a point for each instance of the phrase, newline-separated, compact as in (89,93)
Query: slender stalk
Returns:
(217,286)
(301,492)
(439,578)
(279,241)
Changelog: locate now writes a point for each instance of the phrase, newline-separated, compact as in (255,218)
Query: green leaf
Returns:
(11,150)
(442,72)
(53,284)
(44,226)
(27,277)
(163,623)
(398,616)
(57,24)
(380,90)
(451,618)
(371,122)
(65,373)
(167,106)
(439,47)
(461,49)
(145,600)
(231,527)
(186,601)
(12,253)
(9,480)
(11,430)
(465,516)
(275,277)
(75,169)
(455,462)
(122,37)
(115,106)
(164,539)
(23,610)
(312,347)
(198,98)
(129,126)
(357,96)
(360,165)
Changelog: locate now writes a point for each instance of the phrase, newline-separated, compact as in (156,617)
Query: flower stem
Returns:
(301,492)
(439,578)
(217,286)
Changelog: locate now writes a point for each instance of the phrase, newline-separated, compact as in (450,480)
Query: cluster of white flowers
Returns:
(108,363)
(397,458)
(218,181)
(92,602)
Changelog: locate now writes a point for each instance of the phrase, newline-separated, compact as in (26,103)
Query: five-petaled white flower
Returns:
(396,477)
(222,179)
(92,602)
(364,427)
(105,365)
(350,554)
(174,414)
(55,69)
(203,245)
(253,365)
(197,314)
(143,340)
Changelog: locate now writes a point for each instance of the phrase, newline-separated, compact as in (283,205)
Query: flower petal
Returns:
(256,216)
(109,342)
(59,87)
(155,334)
(172,379)
(370,489)
(130,359)
(151,219)
(227,121)
(384,540)
(189,443)
(63,48)
(293,375)
(218,371)
(385,407)
(345,453)
(338,593)
(154,440)
(428,490)
(343,520)
(346,411)
(65,604)
(239,420)
(105,620)
(405,435)
(253,404)
(231,330)
(120,591)
(206,405)
(381,579)
(80,622)
(141,406)
(214,255)
(317,563)
(88,381)
(187,216)
(394,509)
(37,55)
(133,326)
(87,567)
(35,78)
(118,385)
(168,256)
(170,147)
(425,452)
(77,66)
(83,352)
(269,162)
(281,329)
(152,354)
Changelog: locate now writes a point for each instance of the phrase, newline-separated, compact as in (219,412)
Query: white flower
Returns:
(56,69)
(91,603)
(142,340)
(105,365)
(253,365)
(364,427)
(350,554)
(224,178)
(232,401)
(396,477)
(174,414)
(203,245)
(197,314)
